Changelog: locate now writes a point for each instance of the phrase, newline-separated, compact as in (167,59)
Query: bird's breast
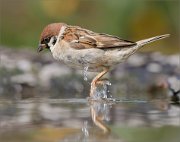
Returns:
(91,58)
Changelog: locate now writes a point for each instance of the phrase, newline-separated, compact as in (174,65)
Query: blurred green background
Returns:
(23,20)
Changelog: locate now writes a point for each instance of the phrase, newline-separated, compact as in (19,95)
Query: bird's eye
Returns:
(46,40)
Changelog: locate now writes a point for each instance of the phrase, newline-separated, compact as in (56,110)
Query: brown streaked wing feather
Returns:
(83,39)
(78,38)
(108,41)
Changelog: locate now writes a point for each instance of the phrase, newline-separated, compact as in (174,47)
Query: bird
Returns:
(79,48)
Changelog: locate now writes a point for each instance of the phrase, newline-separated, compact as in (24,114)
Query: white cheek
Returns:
(51,45)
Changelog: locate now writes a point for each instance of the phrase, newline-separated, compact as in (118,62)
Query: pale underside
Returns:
(95,59)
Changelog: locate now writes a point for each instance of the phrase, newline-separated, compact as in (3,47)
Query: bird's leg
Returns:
(96,79)
(102,82)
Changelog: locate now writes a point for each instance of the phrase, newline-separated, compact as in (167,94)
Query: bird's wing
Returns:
(81,39)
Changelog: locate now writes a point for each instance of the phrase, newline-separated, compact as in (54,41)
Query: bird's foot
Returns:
(99,89)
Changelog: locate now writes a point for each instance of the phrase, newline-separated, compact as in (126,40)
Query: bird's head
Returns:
(49,36)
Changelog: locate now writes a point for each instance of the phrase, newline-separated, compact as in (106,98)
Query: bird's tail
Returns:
(152,39)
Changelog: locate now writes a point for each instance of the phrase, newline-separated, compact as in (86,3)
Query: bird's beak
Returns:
(41,47)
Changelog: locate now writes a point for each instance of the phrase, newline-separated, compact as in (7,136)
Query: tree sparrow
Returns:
(79,48)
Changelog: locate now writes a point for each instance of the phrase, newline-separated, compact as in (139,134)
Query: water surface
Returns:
(66,120)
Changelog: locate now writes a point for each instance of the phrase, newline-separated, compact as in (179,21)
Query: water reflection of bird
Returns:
(99,113)
(81,48)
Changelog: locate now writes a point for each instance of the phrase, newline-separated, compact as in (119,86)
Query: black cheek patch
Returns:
(54,42)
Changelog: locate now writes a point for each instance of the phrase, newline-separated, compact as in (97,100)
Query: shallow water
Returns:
(55,120)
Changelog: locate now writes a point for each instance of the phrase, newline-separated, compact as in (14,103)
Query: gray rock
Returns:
(154,68)
(50,71)
(24,65)
(26,78)
(158,57)
(173,60)
(136,60)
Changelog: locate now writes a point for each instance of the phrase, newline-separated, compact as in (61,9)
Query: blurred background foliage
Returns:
(22,21)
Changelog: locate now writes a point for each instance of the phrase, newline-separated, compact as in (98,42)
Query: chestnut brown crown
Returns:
(48,32)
